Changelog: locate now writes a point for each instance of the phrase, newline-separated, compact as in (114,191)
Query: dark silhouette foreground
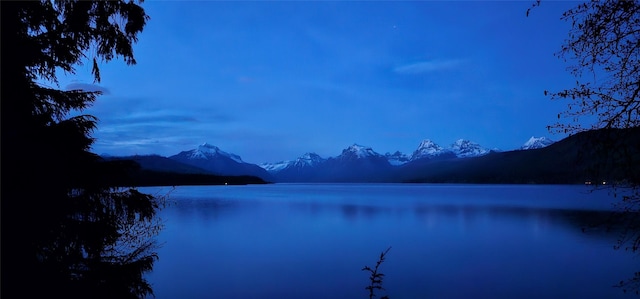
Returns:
(67,230)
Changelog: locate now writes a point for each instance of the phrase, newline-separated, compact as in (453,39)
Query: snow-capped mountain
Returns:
(308,160)
(356,151)
(304,161)
(537,142)
(359,163)
(397,158)
(427,149)
(303,169)
(356,163)
(464,148)
(217,161)
(362,163)
(275,167)
(207,151)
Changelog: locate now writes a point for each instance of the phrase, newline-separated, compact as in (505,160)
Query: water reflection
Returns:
(310,241)
(206,210)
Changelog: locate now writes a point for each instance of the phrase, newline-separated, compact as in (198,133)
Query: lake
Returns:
(447,241)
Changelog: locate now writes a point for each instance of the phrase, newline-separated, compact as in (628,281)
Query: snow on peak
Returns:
(537,142)
(309,159)
(397,158)
(206,150)
(275,167)
(427,148)
(359,151)
(464,148)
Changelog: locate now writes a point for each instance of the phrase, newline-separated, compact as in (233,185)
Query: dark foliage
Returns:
(156,178)
(603,52)
(375,277)
(66,231)
(159,163)
(154,170)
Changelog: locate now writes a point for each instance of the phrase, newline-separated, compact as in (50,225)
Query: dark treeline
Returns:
(597,156)
(156,178)
(155,170)
(67,231)
(137,176)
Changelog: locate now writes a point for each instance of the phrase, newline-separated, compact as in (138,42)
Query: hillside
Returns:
(592,156)
(154,170)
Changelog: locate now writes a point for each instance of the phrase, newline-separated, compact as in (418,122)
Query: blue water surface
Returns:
(448,241)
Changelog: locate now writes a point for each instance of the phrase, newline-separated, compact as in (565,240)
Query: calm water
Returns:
(448,241)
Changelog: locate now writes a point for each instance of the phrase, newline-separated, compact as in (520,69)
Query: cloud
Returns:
(428,66)
(87,87)
(163,131)
(154,119)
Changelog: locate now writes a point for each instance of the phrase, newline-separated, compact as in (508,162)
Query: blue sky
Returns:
(270,81)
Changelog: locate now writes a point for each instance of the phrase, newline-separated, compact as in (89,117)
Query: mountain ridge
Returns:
(464,161)
(216,161)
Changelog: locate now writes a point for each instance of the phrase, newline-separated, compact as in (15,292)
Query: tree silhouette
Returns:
(603,49)
(376,277)
(67,230)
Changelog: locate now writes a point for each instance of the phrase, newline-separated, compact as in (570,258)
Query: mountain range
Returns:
(426,149)
(362,163)
(539,160)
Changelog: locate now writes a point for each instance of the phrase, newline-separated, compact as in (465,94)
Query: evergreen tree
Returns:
(67,230)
